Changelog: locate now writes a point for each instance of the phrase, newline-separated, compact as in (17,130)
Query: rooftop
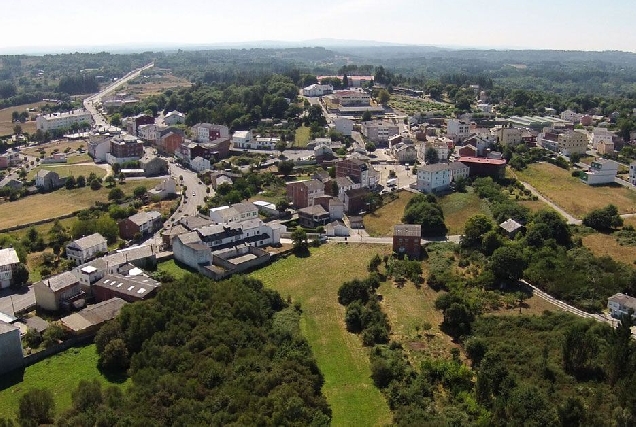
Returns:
(8,256)
(407,230)
(624,300)
(94,315)
(481,160)
(144,217)
(87,242)
(510,225)
(5,327)
(61,281)
(135,286)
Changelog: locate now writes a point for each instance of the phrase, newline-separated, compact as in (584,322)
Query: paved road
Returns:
(195,192)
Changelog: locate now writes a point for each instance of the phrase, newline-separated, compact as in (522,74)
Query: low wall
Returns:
(58,348)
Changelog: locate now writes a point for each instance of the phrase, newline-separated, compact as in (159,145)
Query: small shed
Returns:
(511,227)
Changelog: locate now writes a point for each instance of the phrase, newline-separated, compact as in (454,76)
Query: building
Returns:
(174,118)
(458,170)
(379,132)
(354,81)
(10,158)
(511,227)
(207,132)
(199,164)
(317,90)
(8,264)
(495,168)
(632,173)
(605,147)
(170,142)
(407,240)
(55,121)
(139,225)
(601,171)
(564,141)
(508,135)
(11,183)
(99,146)
(302,193)
(133,123)
(350,98)
(154,166)
(570,116)
(47,180)
(313,216)
(599,135)
(86,248)
(355,200)
(58,292)
(237,212)
(337,229)
(359,172)
(433,178)
(405,153)
(243,139)
(620,305)
(438,145)
(125,148)
(189,249)
(90,319)
(342,125)
(457,130)
(10,348)
(467,151)
(128,288)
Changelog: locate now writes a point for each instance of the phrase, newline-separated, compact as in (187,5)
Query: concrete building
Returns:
(433,178)
(599,135)
(242,139)
(86,248)
(620,305)
(344,126)
(632,173)
(133,123)
(350,98)
(358,170)
(170,142)
(125,148)
(407,240)
(563,141)
(458,170)
(174,118)
(379,132)
(238,212)
(602,171)
(50,122)
(47,180)
(317,90)
(508,135)
(142,224)
(404,153)
(478,166)
(199,164)
(457,130)
(570,116)
(99,146)
(10,348)
(302,193)
(207,132)
(605,147)
(8,264)
(58,292)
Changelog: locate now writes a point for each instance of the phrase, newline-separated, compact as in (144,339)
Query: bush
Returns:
(36,407)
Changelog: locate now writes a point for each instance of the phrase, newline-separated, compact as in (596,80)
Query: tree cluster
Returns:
(363,312)
(424,210)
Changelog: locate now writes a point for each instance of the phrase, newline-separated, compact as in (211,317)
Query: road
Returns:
(569,218)
(90,103)
(195,192)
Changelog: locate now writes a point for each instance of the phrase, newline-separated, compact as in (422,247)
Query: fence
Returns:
(58,348)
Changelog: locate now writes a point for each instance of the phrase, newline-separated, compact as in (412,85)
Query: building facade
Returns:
(49,122)
(8,264)
(86,248)
(407,240)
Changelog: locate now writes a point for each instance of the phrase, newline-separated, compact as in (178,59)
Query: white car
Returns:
(194,194)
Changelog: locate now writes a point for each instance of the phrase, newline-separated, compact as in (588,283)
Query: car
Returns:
(194,194)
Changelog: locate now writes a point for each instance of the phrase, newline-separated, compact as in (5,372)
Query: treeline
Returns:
(205,353)
(78,84)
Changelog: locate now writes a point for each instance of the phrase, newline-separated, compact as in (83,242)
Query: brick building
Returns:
(407,240)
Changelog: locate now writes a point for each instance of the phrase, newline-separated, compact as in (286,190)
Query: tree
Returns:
(507,264)
(114,357)
(110,181)
(115,119)
(603,219)
(87,396)
(370,147)
(139,191)
(366,116)
(345,81)
(431,156)
(285,167)
(299,238)
(36,407)
(282,205)
(122,178)
(474,230)
(17,129)
(81,181)
(374,263)
(96,185)
(70,182)
(458,319)
(116,194)
(429,215)
(20,276)
(383,96)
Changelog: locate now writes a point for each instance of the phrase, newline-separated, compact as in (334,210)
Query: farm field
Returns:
(571,194)
(6,126)
(61,202)
(49,147)
(458,207)
(144,87)
(411,105)
(65,170)
(606,245)
(302,137)
(60,374)
(341,357)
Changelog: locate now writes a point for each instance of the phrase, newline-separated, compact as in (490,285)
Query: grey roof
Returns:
(87,242)
(45,172)
(457,166)
(127,255)
(144,217)
(135,286)
(436,167)
(510,225)
(407,230)
(245,207)
(188,238)
(10,182)
(313,210)
(343,181)
(94,315)
(5,328)
(8,256)
(61,281)
(624,300)
(194,222)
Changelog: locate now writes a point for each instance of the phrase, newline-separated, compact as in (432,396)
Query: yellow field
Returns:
(571,194)
(6,127)
(606,245)
(458,207)
(65,170)
(381,222)
(50,146)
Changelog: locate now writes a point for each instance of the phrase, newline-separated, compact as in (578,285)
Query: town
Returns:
(112,195)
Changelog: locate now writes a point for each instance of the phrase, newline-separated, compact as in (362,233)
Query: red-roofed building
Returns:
(479,166)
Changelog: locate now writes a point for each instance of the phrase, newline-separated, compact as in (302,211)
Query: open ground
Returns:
(6,126)
(65,170)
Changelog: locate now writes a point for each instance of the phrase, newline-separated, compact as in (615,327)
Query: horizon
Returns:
(568,25)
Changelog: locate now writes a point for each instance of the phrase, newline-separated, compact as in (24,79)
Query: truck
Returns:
(391,182)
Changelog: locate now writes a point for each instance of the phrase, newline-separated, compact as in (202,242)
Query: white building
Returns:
(620,305)
(404,153)
(237,212)
(242,139)
(632,173)
(457,130)
(86,248)
(347,98)
(8,263)
(48,122)
(570,116)
(199,164)
(432,178)
(174,118)
(149,132)
(602,171)
(508,135)
(10,348)
(377,131)
(344,126)
(439,146)
(599,135)
(458,170)
(317,90)
(207,132)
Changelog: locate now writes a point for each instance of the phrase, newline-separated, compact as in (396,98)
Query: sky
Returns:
(534,24)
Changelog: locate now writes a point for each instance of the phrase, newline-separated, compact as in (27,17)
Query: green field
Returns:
(381,222)
(411,105)
(303,135)
(65,170)
(342,359)
(458,207)
(175,270)
(60,374)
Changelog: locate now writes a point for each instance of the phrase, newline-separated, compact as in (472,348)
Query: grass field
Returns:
(6,126)
(458,207)
(144,87)
(49,147)
(606,245)
(381,222)
(65,170)
(342,359)
(60,202)
(534,205)
(171,267)
(571,194)
(303,135)
(411,105)
(60,374)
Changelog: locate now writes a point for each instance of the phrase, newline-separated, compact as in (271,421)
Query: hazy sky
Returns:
(551,24)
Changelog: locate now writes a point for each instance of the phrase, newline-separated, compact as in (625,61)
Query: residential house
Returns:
(407,240)
(564,141)
(165,189)
(337,229)
(605,147)
(133,123)
(174,118)
(10,348)
(266,208)
(154,166)
(457,130)
(467,151)
(199,164)
(11,183)
(170,142)
(405,153)
(128,288)
(58,292)
(10,158)
(620,305)
(433,178)
(140,224)
(86,248)
(438,145)
(8,264)
(495,168)
(88,275)
(321,175)
(207,132)
(570,116)
(264,143)
(458,170)
(337,186)
(190,250)
(378,131)
(342,125)
(599,135)
(90,319)
(237,212)
(302,193)
(601,171)
(99,146)
(54,121)
(243,139)
(313,216)
(358,170)
(323,153)
(317,90)
(125,148)
(508,135)
(355,200)
(47,180)
(511,227)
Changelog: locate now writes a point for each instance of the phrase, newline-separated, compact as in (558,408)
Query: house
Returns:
(165,189)
(265,143)
(133,123)
(438,145)
(564,141)
(242,139)
(350,98)
(358,170)
(99,146)
(58,292)
(337,186)
(355,200)
(190,250)
(8,264)
(207,132)
(511,227)
(321,175)
(313,216)
(140,224)
(199,164)
(337,229)
(342,125)
(620,305)
(90,319)
(405,153)
(599,135)
(601,171)
(632,173)
(170,142)
(125,148)
(10,348)
(11,183)
(266,208)
(128,288)
(54,121)
(192,223)
(467,151)
(508,135)
(458,170)
(174,118)
(302,193)
(495,168)
(433,178)
(605,147)
(237,212)
(407,240)
(47,180)
(570,116)
(86,248)
(457,130)
(154,166)
(87,276)
(317,90)
(378,131)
